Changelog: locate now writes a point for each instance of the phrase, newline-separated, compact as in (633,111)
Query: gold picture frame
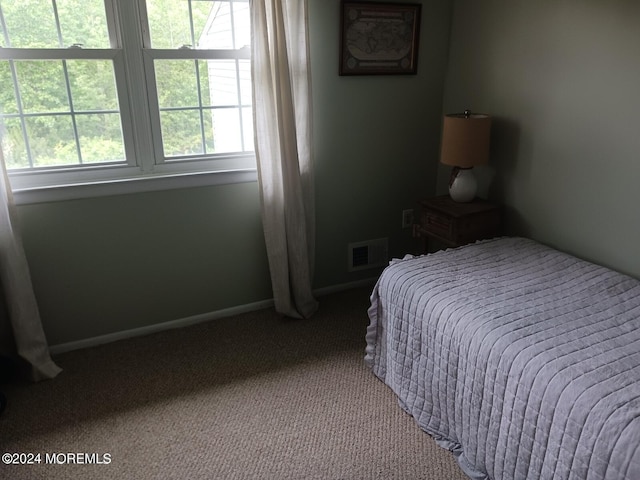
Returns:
(379,38)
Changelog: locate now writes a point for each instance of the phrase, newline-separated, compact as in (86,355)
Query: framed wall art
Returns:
(379,38)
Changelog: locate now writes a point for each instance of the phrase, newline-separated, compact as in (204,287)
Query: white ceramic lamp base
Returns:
(463,185)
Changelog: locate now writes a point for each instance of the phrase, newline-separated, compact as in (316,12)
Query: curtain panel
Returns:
(21,333)
(284,149)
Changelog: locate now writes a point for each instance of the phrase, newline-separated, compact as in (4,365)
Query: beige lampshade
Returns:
(465,139)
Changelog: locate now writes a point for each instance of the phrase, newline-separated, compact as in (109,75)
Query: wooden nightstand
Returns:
(455,224)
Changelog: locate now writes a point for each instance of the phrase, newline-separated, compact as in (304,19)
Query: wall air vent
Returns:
(368,254)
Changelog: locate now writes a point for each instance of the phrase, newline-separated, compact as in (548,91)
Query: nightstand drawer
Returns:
(477,227)
(437,223)
(456,224)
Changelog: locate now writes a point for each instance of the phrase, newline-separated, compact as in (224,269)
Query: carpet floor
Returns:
(252,396)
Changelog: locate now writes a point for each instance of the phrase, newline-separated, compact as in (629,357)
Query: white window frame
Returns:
(145,168)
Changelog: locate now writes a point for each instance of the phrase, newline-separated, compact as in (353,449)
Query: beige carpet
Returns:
(248,397)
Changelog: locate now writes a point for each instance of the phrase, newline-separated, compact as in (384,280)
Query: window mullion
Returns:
(240,104)
(54,5)
(237,67)
(23,123)
(67,83)
(113,27)
(203,140)
(145,33)
(191,27)
(153,106)
(233,25)
(5,32)
(74,123)
(133,81)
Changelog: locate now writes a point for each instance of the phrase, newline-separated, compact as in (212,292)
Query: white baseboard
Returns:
(159,327)
(319,292)
(193,320)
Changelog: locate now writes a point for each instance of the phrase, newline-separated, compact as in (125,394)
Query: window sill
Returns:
(147,183)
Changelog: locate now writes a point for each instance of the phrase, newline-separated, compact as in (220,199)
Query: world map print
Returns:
(379,38)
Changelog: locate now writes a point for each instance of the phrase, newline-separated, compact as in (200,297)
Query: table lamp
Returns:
(465,144)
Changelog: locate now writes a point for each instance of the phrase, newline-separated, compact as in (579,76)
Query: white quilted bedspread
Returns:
(523,360)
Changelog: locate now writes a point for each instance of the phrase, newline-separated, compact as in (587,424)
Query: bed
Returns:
(522,360)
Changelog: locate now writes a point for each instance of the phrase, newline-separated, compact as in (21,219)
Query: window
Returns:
(204,102)
(101,90)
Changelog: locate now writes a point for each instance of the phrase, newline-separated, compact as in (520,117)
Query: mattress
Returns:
(522,360)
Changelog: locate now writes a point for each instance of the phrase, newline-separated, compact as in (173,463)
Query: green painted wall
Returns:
(376,140)
(106,264)
(561,80)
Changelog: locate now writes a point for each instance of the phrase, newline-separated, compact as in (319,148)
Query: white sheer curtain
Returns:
(283,143)
(21,333)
